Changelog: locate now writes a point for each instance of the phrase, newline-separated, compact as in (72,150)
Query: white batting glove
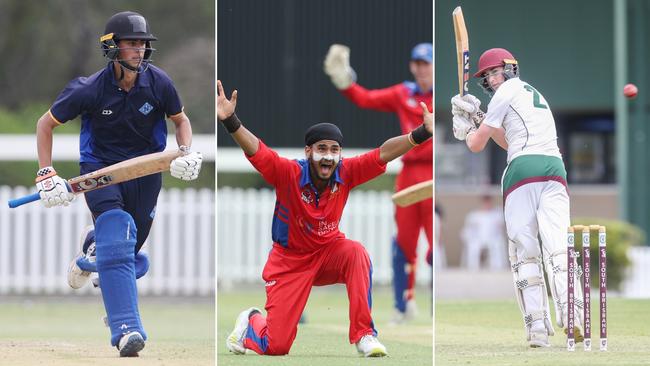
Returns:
(52,189)
(186,167)
(467,103)
(462,126)
(337,66)
(468,106)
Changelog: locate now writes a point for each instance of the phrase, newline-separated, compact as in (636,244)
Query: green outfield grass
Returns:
(70,331)
(491,333)
(323,340)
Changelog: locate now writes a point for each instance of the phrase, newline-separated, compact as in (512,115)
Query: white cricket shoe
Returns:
(235,341)
(539,338)
(130,344)
(77,277)
(369,346)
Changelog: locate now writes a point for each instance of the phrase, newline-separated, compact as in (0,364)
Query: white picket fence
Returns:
(636,284)
(36,245)
(244,219)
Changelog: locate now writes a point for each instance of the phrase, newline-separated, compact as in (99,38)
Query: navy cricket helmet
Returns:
(127,25)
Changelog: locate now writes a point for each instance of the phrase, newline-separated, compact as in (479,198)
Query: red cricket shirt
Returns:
(305,220)
(404,100)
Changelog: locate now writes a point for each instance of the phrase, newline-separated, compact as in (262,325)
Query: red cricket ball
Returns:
(630,90)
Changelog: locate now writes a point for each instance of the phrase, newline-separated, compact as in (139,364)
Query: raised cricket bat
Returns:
(415,193)
(462,50)
(121,172)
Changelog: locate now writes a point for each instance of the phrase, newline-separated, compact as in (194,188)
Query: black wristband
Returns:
(231,123)
(420,134)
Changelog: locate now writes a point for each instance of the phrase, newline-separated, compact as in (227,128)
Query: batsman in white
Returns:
(123,109)
(534,187)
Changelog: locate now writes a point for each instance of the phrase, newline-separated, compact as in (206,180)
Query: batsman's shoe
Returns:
(369,346)
(77,277)
(130,344)
(235,341)
(539,338)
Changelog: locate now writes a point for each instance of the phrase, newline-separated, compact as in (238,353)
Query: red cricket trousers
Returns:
(411,219)
(289,278)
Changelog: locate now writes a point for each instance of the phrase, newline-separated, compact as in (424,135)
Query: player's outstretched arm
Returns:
(187,166)
(52,189)
(499,136)
(397,146)
(477,140)
(226,115)
(44,132)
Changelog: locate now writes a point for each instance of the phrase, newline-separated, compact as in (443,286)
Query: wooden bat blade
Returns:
(462,49)
(415,193)
(123,171)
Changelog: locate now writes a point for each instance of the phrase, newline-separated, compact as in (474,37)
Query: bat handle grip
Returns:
(23,200)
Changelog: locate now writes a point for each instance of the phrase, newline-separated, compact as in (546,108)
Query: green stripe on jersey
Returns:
(530,166)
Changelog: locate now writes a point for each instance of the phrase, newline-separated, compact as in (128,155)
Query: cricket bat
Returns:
(462,49)
(121,172)
(415,193)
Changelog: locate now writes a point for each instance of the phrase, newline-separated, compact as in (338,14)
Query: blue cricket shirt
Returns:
(116,125)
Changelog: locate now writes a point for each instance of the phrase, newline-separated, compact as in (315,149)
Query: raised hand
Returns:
(427,117)
(225,107)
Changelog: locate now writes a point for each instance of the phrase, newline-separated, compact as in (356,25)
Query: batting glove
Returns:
(467,106)
(462,126)
(186,167)
(467,103)
(52,189)
(337,66)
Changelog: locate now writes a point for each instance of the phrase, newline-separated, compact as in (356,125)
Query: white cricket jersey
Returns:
(526,117)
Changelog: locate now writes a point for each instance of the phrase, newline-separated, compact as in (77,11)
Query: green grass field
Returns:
(491,333)
(70,331)
(323,340)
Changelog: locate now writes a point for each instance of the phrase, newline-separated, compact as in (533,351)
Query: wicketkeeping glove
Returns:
(337,66)
(186,167)
(52,189)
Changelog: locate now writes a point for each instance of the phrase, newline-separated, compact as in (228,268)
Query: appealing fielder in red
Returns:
(402,99)
(308,248)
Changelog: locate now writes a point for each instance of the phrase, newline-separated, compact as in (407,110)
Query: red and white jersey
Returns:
(404,100)
(303,219)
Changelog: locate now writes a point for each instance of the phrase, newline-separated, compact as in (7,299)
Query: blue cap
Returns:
(423,51)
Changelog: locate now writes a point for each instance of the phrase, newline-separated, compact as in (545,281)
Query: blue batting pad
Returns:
(115,235)
(400,278)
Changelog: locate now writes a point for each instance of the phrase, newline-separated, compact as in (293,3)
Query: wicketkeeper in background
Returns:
(402,99)
(123,109)
(536,202)
(308,248)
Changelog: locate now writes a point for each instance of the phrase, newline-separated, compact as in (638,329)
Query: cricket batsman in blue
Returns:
(123,108)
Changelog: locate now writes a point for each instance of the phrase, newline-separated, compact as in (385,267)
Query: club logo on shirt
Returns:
(307,196)
(270,283)
(107,112)
(412,103)
(146,108)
